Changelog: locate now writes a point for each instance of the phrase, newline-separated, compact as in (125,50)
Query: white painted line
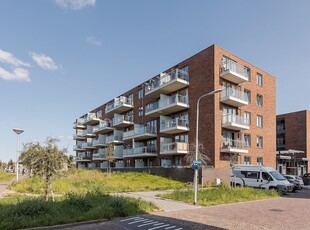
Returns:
(178,229)
(165,225)
(170,227)
(137,221)
(131,218)
(147,224)
(147,221)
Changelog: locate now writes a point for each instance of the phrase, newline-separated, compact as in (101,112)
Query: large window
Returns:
(247,160)
(140,93)
(247,118)
(247,95)
(259,100)
(247,140)
(259,79)
(259,142)
(140,111)
(259,121)
(259,160)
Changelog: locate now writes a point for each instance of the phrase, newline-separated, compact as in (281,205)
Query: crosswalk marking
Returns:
(147,224)
(161,226)
(136,221)
(131,218)
(170,227)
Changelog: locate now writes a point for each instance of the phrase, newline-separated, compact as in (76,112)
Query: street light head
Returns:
(18,131)
(216,91)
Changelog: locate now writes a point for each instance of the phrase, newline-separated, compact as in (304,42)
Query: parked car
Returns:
(296,180)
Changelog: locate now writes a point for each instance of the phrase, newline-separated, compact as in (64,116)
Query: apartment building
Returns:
(154,124)
(293,142)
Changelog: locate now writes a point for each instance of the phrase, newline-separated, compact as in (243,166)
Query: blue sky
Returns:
(62,58)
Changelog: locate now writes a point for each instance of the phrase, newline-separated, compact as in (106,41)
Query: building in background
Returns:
(293,142)
(154,124)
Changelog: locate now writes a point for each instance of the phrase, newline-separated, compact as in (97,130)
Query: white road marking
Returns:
(131,218)
(147,224)
(162,226)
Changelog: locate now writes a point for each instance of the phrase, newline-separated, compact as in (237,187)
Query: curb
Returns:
(60,226)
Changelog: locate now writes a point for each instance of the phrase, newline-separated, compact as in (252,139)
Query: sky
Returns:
(60,59)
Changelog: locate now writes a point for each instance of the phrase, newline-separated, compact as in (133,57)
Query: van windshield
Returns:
(277,175)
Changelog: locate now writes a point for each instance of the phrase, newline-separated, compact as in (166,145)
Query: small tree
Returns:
(109,155)
(45,161)
(202,154)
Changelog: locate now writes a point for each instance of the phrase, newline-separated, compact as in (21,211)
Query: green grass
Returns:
(18,212)
(83,181)
(4,176)
(221,195)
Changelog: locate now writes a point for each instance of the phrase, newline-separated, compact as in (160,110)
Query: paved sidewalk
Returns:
(4,186)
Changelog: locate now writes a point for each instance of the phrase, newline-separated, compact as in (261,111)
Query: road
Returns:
(288,212)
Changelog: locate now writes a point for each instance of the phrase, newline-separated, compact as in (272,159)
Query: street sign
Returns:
(198,162)
(196,167)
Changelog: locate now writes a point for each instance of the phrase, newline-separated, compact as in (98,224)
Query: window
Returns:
(140,111)
(140,93)
(247,95)
(259,160)
(99,114)
(259,79)
(259,142)
(247,140)
(247,118)
(247,160)
(184,73)
(250,174)
(247,72)
(259,121)
(259,100)
(181,138)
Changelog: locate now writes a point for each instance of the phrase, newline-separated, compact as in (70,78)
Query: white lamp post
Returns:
(197,148)
(18,132)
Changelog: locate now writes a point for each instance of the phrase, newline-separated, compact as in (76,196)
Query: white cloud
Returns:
(44,61)
(8,58)
(93,41)
(18,74)
(75,4)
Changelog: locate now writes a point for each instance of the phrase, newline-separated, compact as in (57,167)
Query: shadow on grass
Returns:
(20,212)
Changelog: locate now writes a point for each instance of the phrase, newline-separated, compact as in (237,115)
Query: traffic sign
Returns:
(198,162)
(196,167)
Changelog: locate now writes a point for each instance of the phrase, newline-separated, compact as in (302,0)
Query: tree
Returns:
(45,161)
(11,164)
(202,154)
(109,155)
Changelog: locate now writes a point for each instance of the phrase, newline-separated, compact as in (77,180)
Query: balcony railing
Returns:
(82,157)
(78,136)
(168,82)
(174,148)
(122,121)
(114,139)
(101,141)
(103,127)
(231,121)
(88,132)
(140,152)
(88,145)
(234,97)
(174,126)
(79,124)
(233,146)
(168,105)
(78,147)
(91,119)
(139,133)
(100,155)
(120,105)
(234,72)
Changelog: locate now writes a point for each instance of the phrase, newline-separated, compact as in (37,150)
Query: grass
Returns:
(18,212)
(221,195)
(4,176)
(83,181)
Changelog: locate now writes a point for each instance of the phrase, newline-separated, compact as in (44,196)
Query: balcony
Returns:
(167,105)
(120,105)
(79,136)
(234,72)
(138,152)
(175,148)
(173,126)
(118,152)
(82,157)
(234,97)
(91,119)
(122,121)
(88,145)
(167,83)
(100,155)
(103,127)
(78,148)
(234,122)
(88,132)
(140,132)
(79,124)
(100,142)
(233,146)
(116,138)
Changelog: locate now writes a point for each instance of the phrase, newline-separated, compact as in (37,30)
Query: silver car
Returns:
(296,180)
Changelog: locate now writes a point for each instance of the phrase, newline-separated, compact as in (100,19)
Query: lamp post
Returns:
(18,132)
(196,155)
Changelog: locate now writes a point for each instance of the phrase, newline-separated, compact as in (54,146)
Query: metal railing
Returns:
(166,102)
(235,67)
(231,92)
(232,118)
(140,131)
(140,151)
(122,118)
(166,124)
(175,146)
(102,125)
(238,144)
(118,103)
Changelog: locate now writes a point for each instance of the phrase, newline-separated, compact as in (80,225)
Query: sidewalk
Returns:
(4,186)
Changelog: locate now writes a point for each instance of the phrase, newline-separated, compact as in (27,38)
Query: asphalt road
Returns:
(288,212)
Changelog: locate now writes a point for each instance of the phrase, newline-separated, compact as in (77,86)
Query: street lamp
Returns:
(18,132)
(196,155)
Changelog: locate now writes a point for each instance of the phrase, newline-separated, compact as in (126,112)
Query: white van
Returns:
(258,176)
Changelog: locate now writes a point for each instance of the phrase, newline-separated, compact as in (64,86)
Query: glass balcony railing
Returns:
(138,131)
(236,68)
(164,103)
(166,79)
(140,151)
(235,120)
(122,119)
(118,103)
(175,147)
(173,123)
(231,93)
